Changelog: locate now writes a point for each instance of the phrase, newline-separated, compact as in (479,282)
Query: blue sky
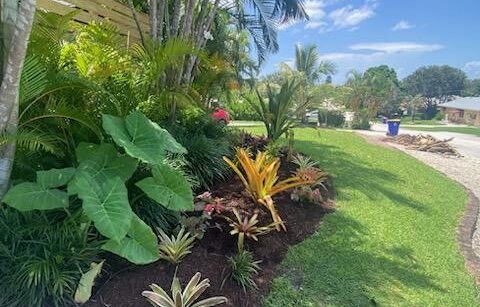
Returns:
(404,34)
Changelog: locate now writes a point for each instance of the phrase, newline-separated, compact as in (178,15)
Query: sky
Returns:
(404,34)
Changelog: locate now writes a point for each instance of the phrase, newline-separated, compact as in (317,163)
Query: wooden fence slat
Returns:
(100,10)
(113,16)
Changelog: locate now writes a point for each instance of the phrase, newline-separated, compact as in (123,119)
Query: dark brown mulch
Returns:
(209,256)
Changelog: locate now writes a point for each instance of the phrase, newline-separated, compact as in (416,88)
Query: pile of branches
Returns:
(426,143)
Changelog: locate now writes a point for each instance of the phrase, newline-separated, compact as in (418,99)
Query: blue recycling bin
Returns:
(393,126)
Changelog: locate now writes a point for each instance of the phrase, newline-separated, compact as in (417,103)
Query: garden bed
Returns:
(209,256)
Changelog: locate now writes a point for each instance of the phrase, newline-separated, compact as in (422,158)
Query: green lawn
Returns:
(430,122)
(391,241)
(464,130)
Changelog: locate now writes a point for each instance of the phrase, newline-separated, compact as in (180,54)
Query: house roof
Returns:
(463,103)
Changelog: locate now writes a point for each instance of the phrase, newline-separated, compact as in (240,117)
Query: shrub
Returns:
(186,298)
(439,116)
(331,118)
(361,120)
(42,257)
(243,267)
(206,143)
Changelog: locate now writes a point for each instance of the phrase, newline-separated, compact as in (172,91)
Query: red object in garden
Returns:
(221,116)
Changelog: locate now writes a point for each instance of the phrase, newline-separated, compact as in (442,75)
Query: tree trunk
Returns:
(187,25)
(137,23)
(200,41)
(9,90)
(160,19)
(175,18)
(153,6)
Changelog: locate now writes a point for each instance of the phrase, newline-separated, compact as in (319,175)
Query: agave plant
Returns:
(260,177)
(186,298)
(174,249)
(247,227)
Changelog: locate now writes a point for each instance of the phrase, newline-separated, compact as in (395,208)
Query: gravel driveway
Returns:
(465,170)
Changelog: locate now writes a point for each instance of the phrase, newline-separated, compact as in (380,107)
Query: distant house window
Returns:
(461,114)
(473,116)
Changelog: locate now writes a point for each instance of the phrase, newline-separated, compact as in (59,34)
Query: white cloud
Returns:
(397,47)
(350,17)
(473,69)
(402,25)
(316,12)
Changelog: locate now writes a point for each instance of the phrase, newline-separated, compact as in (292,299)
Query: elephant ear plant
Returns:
(260,178)
(97,186)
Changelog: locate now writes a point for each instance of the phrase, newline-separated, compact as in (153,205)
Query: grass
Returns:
(391,241)
(430,122)
(464,130)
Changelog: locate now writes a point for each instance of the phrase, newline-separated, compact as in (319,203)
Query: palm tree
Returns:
(308,64)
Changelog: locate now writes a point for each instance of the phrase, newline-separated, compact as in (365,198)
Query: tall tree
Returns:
(437,84)
(384,84)
(17,44)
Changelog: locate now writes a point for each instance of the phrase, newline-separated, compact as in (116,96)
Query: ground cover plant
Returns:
(391,240)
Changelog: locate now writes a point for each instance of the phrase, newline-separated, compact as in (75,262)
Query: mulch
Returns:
(123,284)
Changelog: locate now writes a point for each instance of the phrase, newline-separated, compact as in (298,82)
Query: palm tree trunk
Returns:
(153,6)
(160,19)
(175,18)
(201,40)
(187,25)
(9,90)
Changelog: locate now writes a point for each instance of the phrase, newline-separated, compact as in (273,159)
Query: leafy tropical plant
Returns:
(242,269)
(278,111)
(246,227)
(260,178)
(99,182)
(186,298)
(174,249)
(43,256)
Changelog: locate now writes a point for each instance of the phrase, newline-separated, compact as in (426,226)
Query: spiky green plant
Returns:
(174,249)
(243,267)
(186,298)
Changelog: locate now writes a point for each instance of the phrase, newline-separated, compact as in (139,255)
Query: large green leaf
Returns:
(29,196)
(55,178)
(141,138)
(106,204)
(102,162)
(139,246)
(104,159)
(169,188)
(85,285)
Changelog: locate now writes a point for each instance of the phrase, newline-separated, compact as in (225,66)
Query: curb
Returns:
(465,232)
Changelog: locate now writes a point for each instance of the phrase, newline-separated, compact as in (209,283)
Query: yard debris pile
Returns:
(426,143)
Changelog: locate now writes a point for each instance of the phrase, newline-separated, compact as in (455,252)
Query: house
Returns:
(464,110)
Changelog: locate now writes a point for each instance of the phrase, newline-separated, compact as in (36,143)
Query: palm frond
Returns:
(32,140)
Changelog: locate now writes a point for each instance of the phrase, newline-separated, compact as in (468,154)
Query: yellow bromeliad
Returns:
(260,178)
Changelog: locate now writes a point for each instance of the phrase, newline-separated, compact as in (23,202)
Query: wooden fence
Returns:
(116,13)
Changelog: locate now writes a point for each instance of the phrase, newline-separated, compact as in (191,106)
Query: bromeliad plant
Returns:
(186,298)
(260,178)
(97,186)
(247,227)
(174,249)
